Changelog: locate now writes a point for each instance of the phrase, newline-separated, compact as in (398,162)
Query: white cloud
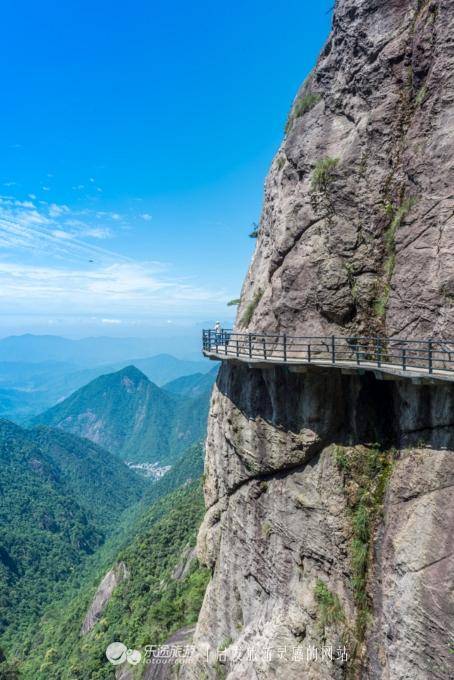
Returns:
(57,210)
(122,288)
(59,233)
(97,232)
(107,214)
(111,322)
(51,232)
(146,216)
(24,204)
(82,277)
(45,188)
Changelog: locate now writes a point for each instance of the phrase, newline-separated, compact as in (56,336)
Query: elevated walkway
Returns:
(421,361)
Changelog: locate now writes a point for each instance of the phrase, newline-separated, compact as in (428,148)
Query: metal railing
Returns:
(430,355)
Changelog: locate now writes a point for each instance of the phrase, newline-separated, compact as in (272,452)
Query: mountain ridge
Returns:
(131,417)
(88,351)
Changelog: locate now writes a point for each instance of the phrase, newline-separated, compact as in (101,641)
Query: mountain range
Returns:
(27,388)
(71,511)
(132,417)
(85,352)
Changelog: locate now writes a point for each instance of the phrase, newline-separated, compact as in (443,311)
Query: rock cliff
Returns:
(330,503)
(111,580)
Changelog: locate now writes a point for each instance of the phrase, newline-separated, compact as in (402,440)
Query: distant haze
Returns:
(88,351)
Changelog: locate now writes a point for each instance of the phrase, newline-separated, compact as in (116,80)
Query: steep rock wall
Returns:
(366,244)
(330,497)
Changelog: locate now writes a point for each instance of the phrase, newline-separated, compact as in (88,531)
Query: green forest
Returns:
(70,510)
(132,417)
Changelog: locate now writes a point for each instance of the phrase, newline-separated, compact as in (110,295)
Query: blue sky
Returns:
(135,139)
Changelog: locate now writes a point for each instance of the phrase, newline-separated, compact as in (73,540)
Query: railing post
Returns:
(378,352)
(368,349)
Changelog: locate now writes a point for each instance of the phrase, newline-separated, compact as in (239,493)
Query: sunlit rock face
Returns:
(368,243)
(105,590)
(330,497)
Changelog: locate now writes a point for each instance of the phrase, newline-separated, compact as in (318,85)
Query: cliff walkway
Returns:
(388,358)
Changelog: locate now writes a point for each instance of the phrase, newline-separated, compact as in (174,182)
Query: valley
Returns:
(98,480)
(31,385)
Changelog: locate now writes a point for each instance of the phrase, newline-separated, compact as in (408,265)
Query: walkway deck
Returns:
(388,358)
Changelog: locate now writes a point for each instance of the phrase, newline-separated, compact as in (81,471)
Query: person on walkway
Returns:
(218,333)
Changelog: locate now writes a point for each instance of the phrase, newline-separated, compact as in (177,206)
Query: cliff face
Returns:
(355,230)
(111,580)
(329,497)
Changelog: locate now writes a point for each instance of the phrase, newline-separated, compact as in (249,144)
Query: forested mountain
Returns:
(132,417)
(163,368)
(102,484)
(160,369)
(187,469)
(151,544)
(193,385)
(28,388)
(143,609)
(60,496)
(72,512)
(19,405)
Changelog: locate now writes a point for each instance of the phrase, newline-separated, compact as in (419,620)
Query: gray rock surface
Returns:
(170,669)
(325,258)
(279,521)
(183,567)
(356,236)
(124,672)
(413,579)
(111,580)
